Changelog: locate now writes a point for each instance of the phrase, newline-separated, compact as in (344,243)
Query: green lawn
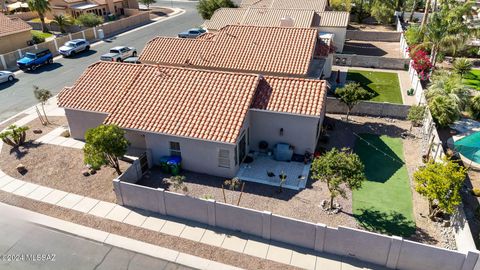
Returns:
(384,203)
(384,85)
(472,79)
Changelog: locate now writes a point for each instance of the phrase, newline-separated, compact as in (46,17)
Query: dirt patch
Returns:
(55,122)
(371,27)
(156,238)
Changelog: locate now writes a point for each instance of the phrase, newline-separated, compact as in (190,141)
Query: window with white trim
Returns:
(175,149)
(224,158)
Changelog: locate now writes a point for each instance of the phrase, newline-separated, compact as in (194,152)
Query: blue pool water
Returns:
(469,146)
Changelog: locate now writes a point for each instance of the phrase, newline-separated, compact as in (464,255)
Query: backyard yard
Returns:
(472,79)
(384,85)
(384,203)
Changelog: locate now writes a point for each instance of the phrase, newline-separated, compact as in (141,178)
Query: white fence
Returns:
(389,251)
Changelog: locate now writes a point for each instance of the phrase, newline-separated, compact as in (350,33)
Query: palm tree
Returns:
(449,85)
(62,21)
(414,6)
(425,13)
(475,106)
(41,7)
(462,66)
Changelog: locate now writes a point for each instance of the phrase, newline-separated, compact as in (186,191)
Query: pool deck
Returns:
(464,127)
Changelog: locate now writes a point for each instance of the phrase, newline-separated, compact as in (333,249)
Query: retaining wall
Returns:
(390,251)
(373,36)
(354,60)
(370,108)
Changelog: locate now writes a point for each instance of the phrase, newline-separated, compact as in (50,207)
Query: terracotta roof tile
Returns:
(12,25)
(291,95)
(317,5)
(269,50)
(176,101)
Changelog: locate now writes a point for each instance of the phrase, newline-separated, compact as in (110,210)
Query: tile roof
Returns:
(317,5)
(184,102)
(269,50)
(259,17)
(12,25)
(291,95)
(331,19)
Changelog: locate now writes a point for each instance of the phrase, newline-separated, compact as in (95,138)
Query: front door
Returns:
(242,148)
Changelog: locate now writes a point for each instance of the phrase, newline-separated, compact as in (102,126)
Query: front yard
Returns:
(384,85)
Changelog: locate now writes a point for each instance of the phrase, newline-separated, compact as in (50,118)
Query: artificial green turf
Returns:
(472,79)
(384,203)
(384,85)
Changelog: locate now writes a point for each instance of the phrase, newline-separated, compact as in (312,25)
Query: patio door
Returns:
(242,148)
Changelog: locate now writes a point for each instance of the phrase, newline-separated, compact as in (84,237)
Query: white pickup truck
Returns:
(119,53)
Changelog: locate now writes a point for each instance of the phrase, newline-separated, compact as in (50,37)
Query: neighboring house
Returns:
(212,119)
(283,51)
(14,34)
(102,8)
(316,5)
(333,22)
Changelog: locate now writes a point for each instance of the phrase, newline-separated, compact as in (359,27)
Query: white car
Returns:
(74,46)
(6,76)
(119,53)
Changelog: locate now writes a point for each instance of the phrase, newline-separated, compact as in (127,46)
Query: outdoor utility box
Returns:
(100,34)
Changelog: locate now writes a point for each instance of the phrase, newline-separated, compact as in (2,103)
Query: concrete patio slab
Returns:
(102,209)
(78,145)
(192,261)
(26,189)
(118,213)
(193,233)
(68,143)
(328,263)
(134,218)
(13,185)
(213,238)
(85,205)
(234,243)
(2,174)
(39,193)
(5,180)
(70,200)
(54,197)
(303,260)
(153,223)
(279,254)
(58,140)
(257,249)
(172,228)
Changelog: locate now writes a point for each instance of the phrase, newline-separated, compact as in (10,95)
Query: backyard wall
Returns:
(377,109)
(8,60)
(390,251)
(354,60)
(373,36)
(26,16)
(339,37)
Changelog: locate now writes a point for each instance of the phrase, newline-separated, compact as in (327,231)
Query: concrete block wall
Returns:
(390,251)
(354,60)
(379,109)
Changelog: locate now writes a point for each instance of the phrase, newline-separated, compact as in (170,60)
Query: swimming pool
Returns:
(469,147)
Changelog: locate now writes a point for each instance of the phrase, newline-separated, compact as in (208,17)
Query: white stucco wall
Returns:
(339,38)
(198,156)
(299,131)
(80,121)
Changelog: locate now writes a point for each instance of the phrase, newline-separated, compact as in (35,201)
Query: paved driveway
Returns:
(19,96)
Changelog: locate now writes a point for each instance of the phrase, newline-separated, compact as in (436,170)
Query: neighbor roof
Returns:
(317,5)
(303,18)
(12,25)
(270,50)
(201,104)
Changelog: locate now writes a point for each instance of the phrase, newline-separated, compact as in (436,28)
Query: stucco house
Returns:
(102,8)
(332,22)
(14,34)
(282,51)
(212,119)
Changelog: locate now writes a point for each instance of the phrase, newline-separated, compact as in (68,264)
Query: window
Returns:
(175,149)
(224,158)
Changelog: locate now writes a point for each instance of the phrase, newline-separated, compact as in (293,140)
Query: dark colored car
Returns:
(34,59)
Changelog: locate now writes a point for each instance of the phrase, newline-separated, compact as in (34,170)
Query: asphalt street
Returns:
(28,246)
(18,96)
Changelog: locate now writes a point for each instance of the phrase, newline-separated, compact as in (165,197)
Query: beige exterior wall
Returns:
(339,38)
(80,121)
(14,42)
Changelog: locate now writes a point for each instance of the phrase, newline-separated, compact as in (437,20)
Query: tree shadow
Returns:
(363,48)
(392,222)
(362,80)
(22,151)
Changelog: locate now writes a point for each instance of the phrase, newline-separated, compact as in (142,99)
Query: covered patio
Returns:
(264,169)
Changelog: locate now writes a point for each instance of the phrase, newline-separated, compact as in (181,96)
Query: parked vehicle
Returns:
(34,59)
(6,76)
(132,60)
(118,54)
(74,46)
(192,33)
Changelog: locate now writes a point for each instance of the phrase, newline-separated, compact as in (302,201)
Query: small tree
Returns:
(440,183)
(177,182)
(147,2)
(104,145)
(206,8)
(444,110)
(351,95)
(233,184)
(416,114)
(383,10)
(14,136)
(462,66)
(62,21)
(41,7)
(89,20)
(339,168)
(42,95)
